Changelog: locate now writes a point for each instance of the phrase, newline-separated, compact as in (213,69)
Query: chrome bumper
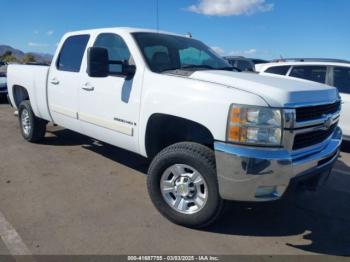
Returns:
(262,174)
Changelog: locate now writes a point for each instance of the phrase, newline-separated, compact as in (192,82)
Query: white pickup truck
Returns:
(212,134)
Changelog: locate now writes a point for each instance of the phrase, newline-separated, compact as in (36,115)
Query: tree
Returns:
(8,57)
(28,58)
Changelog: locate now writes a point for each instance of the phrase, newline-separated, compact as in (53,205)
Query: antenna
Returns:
(157,14)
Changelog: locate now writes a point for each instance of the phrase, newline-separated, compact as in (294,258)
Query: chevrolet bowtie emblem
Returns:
(328,123)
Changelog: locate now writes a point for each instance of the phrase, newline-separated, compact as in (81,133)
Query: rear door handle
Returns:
(88,87)
(54,81)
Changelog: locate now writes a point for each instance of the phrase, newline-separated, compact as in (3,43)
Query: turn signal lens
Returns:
(255,125)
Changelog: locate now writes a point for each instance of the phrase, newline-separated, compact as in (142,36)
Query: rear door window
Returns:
(278,70)
(341,77)
(72,53)
(312,73)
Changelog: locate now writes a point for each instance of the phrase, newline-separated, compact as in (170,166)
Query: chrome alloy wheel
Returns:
(184,189)
(26,125)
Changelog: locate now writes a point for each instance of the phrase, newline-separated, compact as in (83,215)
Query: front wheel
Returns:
(32,128)
(182,184)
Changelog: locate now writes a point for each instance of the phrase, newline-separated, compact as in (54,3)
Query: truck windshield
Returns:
(168,52)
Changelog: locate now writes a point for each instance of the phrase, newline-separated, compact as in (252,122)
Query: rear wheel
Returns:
(183,186)
(32,128)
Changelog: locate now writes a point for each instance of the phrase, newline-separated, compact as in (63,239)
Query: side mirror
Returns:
(97,62)
(129,71)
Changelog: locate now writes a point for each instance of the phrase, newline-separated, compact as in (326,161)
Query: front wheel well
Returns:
(20,94)
(165,130)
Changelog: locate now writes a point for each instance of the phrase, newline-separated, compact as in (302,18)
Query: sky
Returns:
(253,28)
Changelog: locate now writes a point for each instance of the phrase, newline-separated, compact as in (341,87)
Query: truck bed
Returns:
(34,79)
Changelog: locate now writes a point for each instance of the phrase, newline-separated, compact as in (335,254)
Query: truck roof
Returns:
(121,30)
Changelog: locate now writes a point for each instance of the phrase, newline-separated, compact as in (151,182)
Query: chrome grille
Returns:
(312,138)
(315,112)
(309,126)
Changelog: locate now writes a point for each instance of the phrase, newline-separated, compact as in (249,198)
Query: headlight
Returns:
(255,125)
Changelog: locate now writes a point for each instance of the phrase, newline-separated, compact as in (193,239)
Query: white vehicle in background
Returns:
(212,134)
(331,72)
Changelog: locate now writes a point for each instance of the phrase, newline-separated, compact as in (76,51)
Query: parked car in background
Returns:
(3,83)
(332,72)
(243,63)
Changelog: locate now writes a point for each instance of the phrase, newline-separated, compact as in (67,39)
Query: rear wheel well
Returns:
(20,94)
(165,130)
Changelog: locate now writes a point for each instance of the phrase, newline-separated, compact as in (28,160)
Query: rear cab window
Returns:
(312,73)
(72,52)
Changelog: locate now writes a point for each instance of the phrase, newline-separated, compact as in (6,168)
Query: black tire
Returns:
(37,125)
(200,158)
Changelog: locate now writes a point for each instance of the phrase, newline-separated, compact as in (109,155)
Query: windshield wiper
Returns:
(188,67)
(228,68)
(197,66)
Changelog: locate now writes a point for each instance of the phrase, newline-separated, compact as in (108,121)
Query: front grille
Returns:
(315,112)
(312,138)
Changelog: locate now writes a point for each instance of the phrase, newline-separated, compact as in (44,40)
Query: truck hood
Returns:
(277,91)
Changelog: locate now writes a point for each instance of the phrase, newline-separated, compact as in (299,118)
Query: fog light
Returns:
(270,191)
(266,192)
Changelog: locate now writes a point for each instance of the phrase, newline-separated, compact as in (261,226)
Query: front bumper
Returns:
(262,174)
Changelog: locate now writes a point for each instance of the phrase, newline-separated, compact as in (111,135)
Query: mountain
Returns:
(42,58)
(39,57)
(17,53)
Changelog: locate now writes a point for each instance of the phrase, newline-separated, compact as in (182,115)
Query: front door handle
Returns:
(54,81)
(88,87)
